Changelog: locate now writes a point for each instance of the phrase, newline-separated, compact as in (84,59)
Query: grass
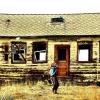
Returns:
(43,91)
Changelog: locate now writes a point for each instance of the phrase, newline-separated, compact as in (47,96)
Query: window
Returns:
(5,48)
(18,51)
(58,19)
(6,52)
(84,52)
(62,54)
(39,52)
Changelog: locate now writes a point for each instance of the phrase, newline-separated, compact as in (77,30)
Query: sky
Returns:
(49,6)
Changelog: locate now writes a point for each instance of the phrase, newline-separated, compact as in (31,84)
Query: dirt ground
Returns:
(42,91)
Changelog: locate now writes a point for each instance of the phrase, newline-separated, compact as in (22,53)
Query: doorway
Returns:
(62,58)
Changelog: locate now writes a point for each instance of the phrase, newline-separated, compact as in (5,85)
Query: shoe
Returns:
(55,92)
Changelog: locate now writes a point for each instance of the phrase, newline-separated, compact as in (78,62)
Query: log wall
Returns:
(81,71)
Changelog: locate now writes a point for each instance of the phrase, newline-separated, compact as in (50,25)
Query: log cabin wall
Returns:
(89,71)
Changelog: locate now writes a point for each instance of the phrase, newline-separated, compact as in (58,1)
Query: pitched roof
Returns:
(41,25)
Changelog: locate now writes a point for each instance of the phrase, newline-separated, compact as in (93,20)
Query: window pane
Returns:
(83,55)
(18,52)
(42,56)
(39,52)
(62,54)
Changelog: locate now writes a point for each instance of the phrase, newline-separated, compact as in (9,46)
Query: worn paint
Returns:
(91,71)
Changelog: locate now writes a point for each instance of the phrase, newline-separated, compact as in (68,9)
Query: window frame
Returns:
(89,45)
(35,43)
(6,52)
(18,62)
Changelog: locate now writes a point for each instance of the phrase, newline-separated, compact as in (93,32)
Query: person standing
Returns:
(53,77)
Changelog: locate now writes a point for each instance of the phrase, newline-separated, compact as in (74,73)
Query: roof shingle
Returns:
(40,25)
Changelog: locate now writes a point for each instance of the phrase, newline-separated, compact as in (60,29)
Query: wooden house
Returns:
(32,42)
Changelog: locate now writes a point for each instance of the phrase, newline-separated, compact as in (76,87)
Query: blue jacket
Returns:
(53,71)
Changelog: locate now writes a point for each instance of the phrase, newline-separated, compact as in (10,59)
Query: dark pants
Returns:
(55,84)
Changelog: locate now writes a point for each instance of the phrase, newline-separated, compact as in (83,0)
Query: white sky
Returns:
(49,6)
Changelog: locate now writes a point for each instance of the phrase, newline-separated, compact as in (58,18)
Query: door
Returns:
(62,59)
